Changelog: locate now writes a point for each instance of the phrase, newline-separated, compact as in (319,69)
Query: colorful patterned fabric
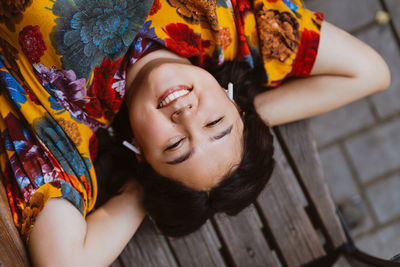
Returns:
(62,76)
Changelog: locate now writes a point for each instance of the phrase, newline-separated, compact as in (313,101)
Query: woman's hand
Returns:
(345,70)
(62,237)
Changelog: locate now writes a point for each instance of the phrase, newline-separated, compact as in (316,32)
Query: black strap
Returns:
(358,258)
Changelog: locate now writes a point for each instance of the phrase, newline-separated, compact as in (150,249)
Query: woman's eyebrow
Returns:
(222,134)
(182,158)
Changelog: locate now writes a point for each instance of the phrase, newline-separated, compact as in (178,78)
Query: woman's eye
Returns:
(174,145)
(214,122)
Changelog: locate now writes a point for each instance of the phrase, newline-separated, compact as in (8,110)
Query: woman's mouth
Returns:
(172,94)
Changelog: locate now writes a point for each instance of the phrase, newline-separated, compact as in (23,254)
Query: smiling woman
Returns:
(201,127)
(157,74)
(182,191)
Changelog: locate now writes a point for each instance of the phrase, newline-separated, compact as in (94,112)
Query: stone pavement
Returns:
(359,144)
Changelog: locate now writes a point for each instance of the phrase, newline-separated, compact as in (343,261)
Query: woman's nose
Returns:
(183,113)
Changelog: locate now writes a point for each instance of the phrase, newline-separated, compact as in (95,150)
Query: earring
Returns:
(131,147)
(230,91)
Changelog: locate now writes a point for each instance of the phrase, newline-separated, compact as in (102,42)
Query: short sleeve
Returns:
(288,37)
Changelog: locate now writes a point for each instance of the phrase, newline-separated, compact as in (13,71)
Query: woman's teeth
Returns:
(171,97)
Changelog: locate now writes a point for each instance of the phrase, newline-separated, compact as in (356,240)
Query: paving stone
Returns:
(385,198)
(337,173)
(384,243)
(381,38)
(376,151)
(346,14)
(342,121)
(394,10)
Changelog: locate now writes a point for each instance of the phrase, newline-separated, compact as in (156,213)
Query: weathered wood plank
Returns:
(198,249)
(147,249)
(293,233)
(279,155)
(12,249)
(299,146)
(244,239)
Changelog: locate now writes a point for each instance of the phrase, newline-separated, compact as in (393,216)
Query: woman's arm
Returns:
(345,70)
(62,237)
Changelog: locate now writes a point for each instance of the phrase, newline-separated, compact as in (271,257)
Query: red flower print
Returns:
(239,16)
(244,5)
(103,96)
(155,7)
(306,54)
(184,41)
(319,17)
(31,95)
(93,147)
(31,41)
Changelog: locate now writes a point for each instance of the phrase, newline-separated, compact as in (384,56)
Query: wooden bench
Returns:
(294,222)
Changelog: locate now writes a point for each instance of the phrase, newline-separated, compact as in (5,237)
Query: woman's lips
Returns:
(171,91)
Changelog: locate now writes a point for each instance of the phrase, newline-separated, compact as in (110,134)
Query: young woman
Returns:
(67,66)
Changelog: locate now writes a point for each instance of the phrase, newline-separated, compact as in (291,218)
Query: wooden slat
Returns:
(245,240)
(299,146)
(147,249)
(279,155)
(12,249)
(198,249)
(293,233)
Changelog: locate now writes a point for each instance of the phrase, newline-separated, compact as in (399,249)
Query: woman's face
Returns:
(184,123)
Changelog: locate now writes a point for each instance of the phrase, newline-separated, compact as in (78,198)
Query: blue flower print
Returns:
(70,193)
(291,5)
(89,30)
(222,3)
(145,38)
(61,147)
(16,91)
(149,33)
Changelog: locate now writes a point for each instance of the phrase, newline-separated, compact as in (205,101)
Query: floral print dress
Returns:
(62,76)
